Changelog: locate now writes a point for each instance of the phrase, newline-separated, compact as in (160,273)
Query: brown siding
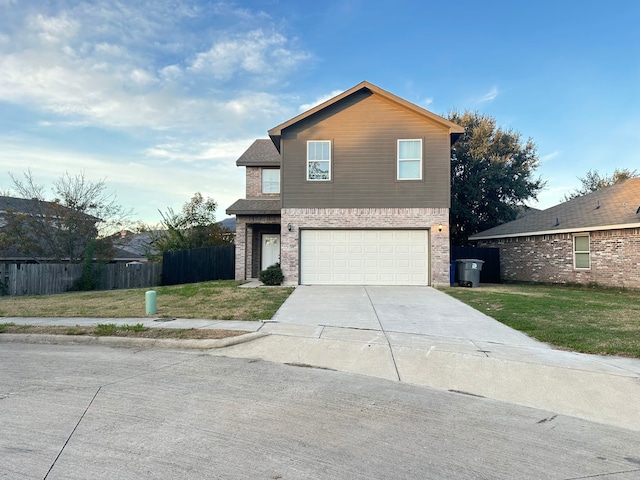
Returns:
(364,130)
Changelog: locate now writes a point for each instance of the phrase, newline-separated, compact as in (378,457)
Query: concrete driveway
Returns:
(409,310)
(422,336)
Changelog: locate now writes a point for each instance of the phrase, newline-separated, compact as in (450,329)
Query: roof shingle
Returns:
(616,206)
(255,206)
(261,153)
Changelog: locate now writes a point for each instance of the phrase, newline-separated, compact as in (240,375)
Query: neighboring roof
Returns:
(26,205)
(454,129)
(255,206)
(261,153)
(613,207)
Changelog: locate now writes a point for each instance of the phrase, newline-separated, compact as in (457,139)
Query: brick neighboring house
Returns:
(594,238)
(354,191)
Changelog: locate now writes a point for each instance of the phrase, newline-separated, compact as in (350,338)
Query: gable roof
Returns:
(261,153)
(28,205)
(454,129)
(610,208)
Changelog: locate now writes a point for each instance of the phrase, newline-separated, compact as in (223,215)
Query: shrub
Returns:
(272,275)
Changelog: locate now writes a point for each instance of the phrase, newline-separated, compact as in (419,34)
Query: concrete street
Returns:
(90,411)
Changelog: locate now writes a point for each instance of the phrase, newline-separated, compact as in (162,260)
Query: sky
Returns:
(159,98)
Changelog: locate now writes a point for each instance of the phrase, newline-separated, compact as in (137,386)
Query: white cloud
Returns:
(190,152)
(426,103)
(319,100)
(107,65)
(549,156)
(489,96)
(54,29)
(255,52)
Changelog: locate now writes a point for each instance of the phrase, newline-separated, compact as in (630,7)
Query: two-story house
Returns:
(353,191)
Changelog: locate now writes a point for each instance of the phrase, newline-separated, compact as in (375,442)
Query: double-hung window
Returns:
(318,160)
(581,252)
(410,159)
(270,180)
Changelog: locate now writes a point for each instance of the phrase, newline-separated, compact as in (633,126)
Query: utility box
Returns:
(469,272)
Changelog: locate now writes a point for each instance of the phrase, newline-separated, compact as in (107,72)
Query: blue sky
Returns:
(161,97)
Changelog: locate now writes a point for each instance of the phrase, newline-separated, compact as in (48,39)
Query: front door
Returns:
(270,249)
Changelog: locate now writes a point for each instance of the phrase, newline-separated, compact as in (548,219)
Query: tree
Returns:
(193,227)
(592,181)
(76,220)
(491,175)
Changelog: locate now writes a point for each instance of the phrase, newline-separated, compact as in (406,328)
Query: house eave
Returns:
(596,228)
(455,130)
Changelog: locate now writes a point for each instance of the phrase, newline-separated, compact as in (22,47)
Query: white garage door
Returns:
(364,257)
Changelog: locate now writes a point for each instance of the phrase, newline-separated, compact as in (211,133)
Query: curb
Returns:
(203,344)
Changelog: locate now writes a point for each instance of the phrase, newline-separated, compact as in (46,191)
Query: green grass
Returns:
(587,319)
(219,300)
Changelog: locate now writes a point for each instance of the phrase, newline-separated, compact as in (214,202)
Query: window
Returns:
(410,159)
(270,180)
(319,160)
(581,252)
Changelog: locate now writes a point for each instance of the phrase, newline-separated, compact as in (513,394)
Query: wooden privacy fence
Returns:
(50,278)
(199,265)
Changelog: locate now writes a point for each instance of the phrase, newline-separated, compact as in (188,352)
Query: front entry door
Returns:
(270,249)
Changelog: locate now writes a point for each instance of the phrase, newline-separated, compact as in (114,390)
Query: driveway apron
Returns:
(394,309)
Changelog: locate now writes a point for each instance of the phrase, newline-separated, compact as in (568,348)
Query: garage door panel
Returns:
(364,257)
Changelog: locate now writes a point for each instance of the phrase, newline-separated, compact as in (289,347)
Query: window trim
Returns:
(262,170)
(398,160)
(309,162)
(575,251)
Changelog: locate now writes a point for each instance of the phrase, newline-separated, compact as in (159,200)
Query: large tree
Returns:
(194,226)
(593,181)
(68,225)
(492,175)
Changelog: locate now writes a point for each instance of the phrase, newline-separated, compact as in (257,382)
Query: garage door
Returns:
(364,257)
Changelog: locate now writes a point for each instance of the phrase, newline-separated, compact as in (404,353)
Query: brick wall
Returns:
(245,241)
(254,182)
(615,258)
(366,218)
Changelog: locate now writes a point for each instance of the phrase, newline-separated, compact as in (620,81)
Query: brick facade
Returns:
(248,228)
(390,218)
(254,184)
(614,255)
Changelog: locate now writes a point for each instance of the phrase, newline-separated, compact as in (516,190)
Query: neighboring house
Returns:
(132,247)
(594,238)
(354,191)
(51,212)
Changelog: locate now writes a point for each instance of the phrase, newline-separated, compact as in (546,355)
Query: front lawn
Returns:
(218,300)
(585,319)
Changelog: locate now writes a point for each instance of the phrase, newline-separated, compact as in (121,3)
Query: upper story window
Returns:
(270,180)
(319,160)
(581,252)
(410,159)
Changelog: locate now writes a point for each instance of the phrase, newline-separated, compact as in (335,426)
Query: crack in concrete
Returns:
(71,434)
(93,400)
(603,475)
(393,358)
